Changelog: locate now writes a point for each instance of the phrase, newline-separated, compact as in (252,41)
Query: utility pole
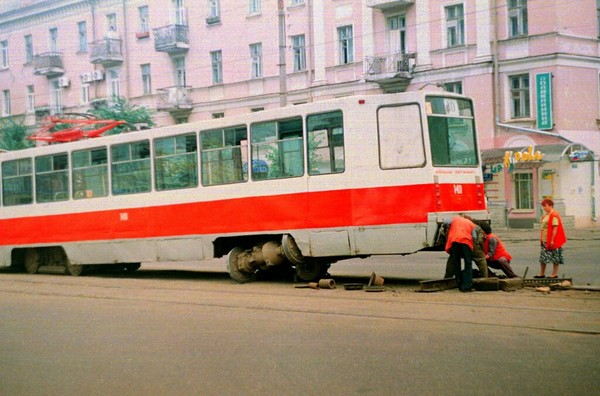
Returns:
(282,66)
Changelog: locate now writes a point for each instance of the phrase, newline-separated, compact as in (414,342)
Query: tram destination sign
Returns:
(543,85)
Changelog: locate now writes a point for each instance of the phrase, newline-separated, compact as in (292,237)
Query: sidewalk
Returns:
(517,234)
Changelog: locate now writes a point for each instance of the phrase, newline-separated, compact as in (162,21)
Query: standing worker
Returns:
(459,244)
(552,238)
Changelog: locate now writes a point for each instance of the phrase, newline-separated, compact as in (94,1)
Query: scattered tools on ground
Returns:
(375,284)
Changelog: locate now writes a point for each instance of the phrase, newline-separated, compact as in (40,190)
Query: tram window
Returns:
(400,137)
(277,149)
(17,182)
(325,143)
(176,162)
(90,173)
(224,156)
(52,178)
(451,132)
(130,167)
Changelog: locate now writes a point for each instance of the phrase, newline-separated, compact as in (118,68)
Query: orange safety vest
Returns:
(500,249)
(560,237)
(461,231)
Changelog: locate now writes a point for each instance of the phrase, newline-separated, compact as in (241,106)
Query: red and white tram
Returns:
(303,186)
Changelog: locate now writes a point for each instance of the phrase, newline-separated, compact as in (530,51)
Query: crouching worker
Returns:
(496,255)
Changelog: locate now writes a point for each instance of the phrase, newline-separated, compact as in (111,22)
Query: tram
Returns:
(303,186)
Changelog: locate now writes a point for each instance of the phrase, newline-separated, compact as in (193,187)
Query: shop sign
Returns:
(581,155)
(514,157)
(543,84)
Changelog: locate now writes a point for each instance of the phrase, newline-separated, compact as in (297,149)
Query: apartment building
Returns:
(532,67)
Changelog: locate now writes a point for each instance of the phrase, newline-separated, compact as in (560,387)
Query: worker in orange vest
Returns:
(459,244)
(496,255)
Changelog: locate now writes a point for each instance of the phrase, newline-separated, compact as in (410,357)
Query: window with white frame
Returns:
(5,103)
(598,17)
(256,58)
(53,34)
(523,190)
(296,2)
(216,63)
(113,79)
(454,86)
(345,44)
(111,22)
(30,99)
(144,23)
(82,35)
(84,93)
(4,53)
(180,74)
(299,48)
(517,18)
(519,96)
(55,97)
(28,48)
(180,14)
(396,32)
(253,7)
(146,79)
(455,25)
(214,8)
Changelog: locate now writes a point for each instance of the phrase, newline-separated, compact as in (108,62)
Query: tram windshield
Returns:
(451,131)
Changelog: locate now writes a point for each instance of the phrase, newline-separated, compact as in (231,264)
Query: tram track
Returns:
(527,310)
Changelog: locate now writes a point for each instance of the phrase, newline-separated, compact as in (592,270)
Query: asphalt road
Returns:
(165,331)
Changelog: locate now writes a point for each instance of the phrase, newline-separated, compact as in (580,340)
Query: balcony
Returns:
(107,52)
(174,99)
(172,39)
(384,5)
(48,64)
(391,71)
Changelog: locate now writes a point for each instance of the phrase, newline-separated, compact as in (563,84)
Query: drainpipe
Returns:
(282,68)
(309,55)
(125,48)
(593,189)
(495,85)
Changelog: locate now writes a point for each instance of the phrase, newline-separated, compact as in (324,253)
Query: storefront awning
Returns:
(574,152)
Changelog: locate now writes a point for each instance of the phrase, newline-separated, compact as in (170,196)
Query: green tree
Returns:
(118,108)
(14,136)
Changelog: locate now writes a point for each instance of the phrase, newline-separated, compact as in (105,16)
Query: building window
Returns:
(214,8)
(56,106)
(5,103)
(180,14)
(146,79)
(113,82)
(598,16)
(53,33)
(253,7)
(180,75)
(30,99)
(519,96)
(82,29)
(85,93)
(28,48)
(345,45)
(216,62)
(218,115)
(256,56)
(4,51)
(455,87)
(298,45)
(256,109)
(517,18)
(296,2)
(144,24)
(111,22)
(455,25)
(523,187)
(396,31)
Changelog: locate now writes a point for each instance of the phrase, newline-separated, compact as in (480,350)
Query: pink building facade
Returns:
(532,67)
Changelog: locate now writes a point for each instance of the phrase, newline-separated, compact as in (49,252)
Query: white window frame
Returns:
(30,98)
(345,37)
(453,86)
(28,38)
(179,12)
(4,54)
(454,15)
(112,22)
(113,82)
(256,70)
(180,74)
(521,94)
(6,103)
(146,71)
(216,61)
(144,16)
(396,34)
(53,39)
(214,8)
(84,93)
(82,36)
(296,2)
(56,101)
(299,48)
(254,7)
(517,18)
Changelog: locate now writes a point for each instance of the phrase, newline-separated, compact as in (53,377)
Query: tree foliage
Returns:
(118,108)
(14,135)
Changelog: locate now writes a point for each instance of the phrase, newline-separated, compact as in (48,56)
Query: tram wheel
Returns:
(74,269)
(132,267)
(310,270)
(32,261)
(234,270)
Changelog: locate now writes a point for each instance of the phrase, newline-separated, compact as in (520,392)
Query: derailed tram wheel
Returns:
(233,268)
(74,269)
(32,261)
(310,270)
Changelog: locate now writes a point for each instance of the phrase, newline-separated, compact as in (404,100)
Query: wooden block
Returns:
(511,284)
(485,284)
